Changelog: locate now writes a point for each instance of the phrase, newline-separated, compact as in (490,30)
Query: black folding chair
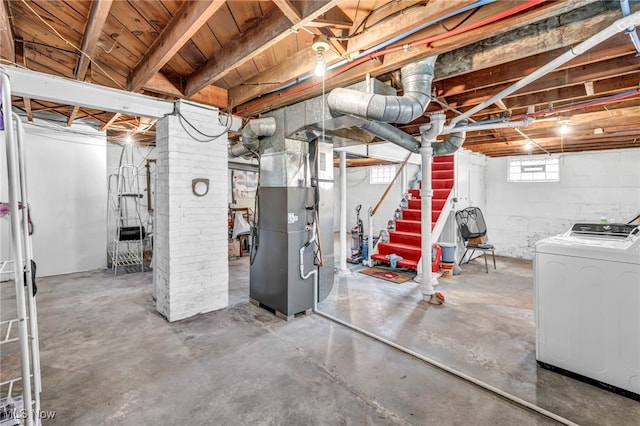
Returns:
(473,228)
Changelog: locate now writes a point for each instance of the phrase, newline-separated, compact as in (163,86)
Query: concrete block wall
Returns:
(592,184)
(191,264)
(469,190)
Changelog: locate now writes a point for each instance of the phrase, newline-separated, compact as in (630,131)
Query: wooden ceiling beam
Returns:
(400,23)
(97,18)
(612,68)
(159,83)
(542,19)
(187,21)
(274,27)
(519,68)
(72,115)
(21,58)
(290,10)
(562,95)
(8,51)
(110,119)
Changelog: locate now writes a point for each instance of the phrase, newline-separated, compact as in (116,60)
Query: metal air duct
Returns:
(251,133)
(416,81)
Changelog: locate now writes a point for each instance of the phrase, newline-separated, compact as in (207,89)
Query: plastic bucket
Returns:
(448,252)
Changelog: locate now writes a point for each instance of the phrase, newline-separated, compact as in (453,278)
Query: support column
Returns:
(191,264)
(343,213)
(428,133)
(426,195)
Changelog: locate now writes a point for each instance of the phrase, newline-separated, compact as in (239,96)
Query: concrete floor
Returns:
(108,358)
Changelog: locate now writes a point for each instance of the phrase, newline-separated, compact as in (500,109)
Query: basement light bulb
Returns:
(527,146)
(129,138)
(320,68)
(564,128)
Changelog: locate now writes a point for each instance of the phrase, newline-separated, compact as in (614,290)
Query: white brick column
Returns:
(191,264)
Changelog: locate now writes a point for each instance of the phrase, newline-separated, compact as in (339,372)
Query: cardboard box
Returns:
(234,248)
(477,241)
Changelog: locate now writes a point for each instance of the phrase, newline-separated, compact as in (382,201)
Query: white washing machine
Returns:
(587,305)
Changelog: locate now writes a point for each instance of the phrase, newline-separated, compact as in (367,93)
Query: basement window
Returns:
(535,170)
(382,174)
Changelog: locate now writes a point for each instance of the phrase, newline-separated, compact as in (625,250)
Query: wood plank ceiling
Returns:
(254,56)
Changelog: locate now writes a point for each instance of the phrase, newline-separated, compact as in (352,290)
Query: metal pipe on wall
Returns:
(618,26)
(626,11)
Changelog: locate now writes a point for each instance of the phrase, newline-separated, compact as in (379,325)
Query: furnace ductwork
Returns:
(451,144)
(392,134)
(416,81)
(381,110)
(251,132)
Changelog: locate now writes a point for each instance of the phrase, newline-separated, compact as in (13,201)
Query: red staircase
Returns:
(405,240)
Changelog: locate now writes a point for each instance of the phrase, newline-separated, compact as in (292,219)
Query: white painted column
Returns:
(428,133)
(343,212)
(426,195)
(191,264)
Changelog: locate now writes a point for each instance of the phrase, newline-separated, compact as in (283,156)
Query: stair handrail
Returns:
(372,211)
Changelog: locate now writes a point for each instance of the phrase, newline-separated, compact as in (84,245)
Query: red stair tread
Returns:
(411,238)
(415,204)
(411,214)
(404,250)
(442,174)
(441,166)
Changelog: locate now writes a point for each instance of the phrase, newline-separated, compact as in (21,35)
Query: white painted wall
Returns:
(67,192)
(469,189)
(592,184)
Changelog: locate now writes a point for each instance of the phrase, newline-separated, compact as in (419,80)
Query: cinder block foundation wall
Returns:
(592,184)
(191,269)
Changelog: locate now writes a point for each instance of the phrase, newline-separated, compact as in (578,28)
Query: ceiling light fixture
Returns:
(320,45)
(564,127)
(528,145)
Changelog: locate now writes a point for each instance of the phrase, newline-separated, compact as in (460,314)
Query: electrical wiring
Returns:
(466,18)
(596,102)
(96,64)
(358,32)
(208,138)
(373,55)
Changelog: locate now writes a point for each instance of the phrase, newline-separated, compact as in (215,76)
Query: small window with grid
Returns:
(382,174)
(534,170)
